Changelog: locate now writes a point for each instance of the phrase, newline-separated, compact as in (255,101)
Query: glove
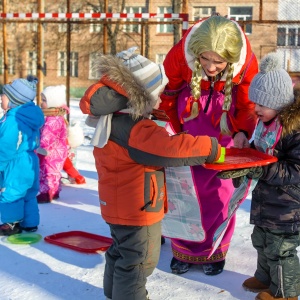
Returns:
(238,181)
(238,176)
(255,172)
(232,173)
(222,156)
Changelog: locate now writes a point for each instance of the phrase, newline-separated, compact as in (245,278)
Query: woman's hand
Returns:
(240,141)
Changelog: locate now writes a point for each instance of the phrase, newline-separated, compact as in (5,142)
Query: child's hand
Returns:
(233,173)
(221,159)
(238,175)
(241,141)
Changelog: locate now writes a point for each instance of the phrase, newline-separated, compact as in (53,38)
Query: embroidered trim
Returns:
(199,259)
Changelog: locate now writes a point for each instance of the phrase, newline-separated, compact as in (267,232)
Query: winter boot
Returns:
(253,285)
(214,268)
(147,296)
(55,196)
(43,198)
(10,228)
(267,295)
(30,229)
(179,267)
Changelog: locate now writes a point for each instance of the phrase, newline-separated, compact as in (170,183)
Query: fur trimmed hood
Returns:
(117,76)
(290,115)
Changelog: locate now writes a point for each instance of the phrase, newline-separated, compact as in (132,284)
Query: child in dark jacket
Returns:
(131,151)
(19,165)
(275,207)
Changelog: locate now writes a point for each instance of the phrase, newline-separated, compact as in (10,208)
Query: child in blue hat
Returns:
(19,165)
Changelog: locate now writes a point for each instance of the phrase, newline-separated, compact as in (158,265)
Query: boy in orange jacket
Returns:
(131,152)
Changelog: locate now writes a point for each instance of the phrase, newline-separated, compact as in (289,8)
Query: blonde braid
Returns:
(196,80)
(195,91)
(227,101)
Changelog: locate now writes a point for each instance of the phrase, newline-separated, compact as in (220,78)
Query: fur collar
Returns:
(117,76)
(290,118)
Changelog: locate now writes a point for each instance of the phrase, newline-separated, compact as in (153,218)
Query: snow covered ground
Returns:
(49,272)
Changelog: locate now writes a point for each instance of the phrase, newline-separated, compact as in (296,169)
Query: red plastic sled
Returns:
(80,241)
(242,158)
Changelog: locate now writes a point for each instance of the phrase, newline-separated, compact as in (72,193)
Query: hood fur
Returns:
(113,72)
(290,115)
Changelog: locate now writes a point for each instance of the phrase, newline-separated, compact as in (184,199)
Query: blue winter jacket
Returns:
(19,166)
(19,132)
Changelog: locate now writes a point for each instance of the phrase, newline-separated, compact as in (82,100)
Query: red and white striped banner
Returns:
(79,15)
(92,16)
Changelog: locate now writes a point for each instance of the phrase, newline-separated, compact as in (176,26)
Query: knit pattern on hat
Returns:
(272,86)
(21,90)
(55,95)
(149,73)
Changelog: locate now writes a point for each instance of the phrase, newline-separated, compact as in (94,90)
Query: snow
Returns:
(50,272)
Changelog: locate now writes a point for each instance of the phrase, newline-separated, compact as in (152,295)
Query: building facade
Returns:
(66,49)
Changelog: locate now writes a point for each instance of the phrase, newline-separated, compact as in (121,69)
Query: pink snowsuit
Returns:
(54,141)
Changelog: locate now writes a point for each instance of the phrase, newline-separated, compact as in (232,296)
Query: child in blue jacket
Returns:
(19,165)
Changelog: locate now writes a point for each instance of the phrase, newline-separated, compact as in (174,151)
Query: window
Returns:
(32,27)
(11,62)
(62,64)
(75,26)
(32,62)
(288,36)
(62,27)
(160,58)
(200,12)
(93,71)
(164,28)
(133,27)
(74,64)
(95,27)
(292,37)
(281,36)
(1,63)
(242,13)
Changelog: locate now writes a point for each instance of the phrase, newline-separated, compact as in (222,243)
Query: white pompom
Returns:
(270,62)
(75,135)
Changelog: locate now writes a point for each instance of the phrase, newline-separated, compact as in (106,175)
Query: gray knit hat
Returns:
(272,86)
(149,73)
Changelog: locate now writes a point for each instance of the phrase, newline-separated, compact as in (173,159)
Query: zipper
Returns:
(211,89)
(280,291)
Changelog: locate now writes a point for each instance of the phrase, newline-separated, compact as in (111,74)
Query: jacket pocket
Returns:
(293,191)
(154,191)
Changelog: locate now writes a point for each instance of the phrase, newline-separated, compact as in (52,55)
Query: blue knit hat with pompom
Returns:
(21,90)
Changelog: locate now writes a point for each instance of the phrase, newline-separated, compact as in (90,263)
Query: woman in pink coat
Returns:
(53,142)
(209,73)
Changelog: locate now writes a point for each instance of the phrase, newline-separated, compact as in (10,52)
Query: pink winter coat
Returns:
(54,141)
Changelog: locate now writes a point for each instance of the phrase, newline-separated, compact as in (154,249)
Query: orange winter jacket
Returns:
(130,167)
